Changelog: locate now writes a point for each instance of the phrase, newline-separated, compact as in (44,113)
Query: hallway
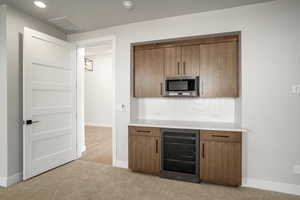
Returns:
(98,142)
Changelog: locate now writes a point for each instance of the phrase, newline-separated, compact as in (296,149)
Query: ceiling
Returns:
(90,15)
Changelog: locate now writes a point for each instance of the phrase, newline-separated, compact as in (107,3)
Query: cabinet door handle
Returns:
(221,136)
(156,146)
(184,67)
(161,89)
(202,87)
(140,131)
(203,153)
(178,70)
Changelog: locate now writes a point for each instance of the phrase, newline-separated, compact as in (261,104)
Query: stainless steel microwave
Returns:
(183,86)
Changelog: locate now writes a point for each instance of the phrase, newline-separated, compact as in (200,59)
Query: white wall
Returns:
(270,64)
(184,109)
(16,21)
(98,92)
(3,95)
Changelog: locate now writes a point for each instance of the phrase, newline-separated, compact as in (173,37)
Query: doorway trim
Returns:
(80,93)
(3,98)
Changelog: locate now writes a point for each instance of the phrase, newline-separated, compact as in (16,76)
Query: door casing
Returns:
(80,95)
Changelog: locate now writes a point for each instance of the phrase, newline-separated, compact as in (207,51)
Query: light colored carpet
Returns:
(98,142)
(83,180)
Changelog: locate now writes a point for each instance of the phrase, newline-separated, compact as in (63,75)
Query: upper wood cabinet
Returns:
(172,57)
(190,60)
(214,59)
(219,71)
(148,72)
(182,61)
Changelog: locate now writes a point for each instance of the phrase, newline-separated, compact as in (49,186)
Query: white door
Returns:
(49,95)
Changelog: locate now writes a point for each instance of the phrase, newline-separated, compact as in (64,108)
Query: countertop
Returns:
(216,126)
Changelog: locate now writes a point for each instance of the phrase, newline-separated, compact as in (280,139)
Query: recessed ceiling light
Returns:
(40,4)
(128,4)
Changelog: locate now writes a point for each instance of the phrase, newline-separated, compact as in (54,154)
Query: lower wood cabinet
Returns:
(220,154)
(220,157)
(144,149)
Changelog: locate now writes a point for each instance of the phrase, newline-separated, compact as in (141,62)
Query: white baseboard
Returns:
(2,182)
(98,125)
(83,149)
(121,164)
(272,186)
(5,182)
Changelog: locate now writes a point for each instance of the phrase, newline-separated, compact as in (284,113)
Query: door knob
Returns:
(29,122)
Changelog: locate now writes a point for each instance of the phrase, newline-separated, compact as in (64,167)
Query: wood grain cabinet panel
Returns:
(220,161)
(219,72)
(172,56)
(144,151)
(214,59)
(148,72)
(190,60)
(182,61)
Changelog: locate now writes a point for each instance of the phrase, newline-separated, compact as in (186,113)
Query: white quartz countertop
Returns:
(216,126)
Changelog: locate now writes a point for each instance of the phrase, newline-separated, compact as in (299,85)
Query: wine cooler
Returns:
(180,154)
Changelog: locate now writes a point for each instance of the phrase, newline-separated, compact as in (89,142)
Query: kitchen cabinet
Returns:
(148,72)
(219,71)
(144,149)
(214,59)
(172,56)
(220,157)
(182,61)
(190,60)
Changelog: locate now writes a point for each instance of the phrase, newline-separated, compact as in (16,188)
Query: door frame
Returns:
(3,98)
(80,94)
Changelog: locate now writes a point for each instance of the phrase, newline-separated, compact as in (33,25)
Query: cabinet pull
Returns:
(203,150)
(184,67)
(221,136)
(140,131)
(156,146)
(178,68)
(161,89)
(202,87)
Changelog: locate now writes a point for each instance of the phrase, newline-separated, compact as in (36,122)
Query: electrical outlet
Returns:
(297,169)
(296,89)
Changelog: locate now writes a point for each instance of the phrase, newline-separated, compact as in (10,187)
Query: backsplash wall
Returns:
(185,109)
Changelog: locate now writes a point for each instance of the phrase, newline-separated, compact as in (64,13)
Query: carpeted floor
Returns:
(84,180)
(98,142)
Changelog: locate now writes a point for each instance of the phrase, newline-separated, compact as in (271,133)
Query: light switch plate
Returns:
(296,89)
(121,108)
(297,169)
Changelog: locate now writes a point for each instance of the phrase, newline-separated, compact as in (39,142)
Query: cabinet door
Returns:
(219,73)
(172,61)
(220,162)
(148,72)
(190,60)
(144,154)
